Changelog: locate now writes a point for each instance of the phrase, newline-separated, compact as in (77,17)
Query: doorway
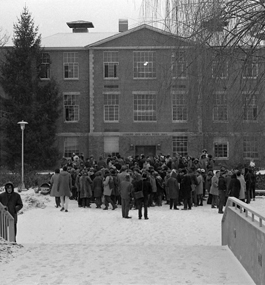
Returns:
(147,150)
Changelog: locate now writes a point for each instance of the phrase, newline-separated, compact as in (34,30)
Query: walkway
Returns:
(91,246)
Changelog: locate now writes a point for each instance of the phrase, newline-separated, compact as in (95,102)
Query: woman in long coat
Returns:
(54,187)
(199,189)
(85,189)
(64,188)
(214,189)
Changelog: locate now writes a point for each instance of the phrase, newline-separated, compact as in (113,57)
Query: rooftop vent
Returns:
(123,25)
(80,26)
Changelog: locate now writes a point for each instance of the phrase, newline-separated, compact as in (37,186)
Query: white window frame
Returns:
(111,104)
(221,143)
(179,104)
(250,107)
(146,109)
(220,102)
(250,148)
(70,61)
(180,145)
(144,65)
(179,64)
(111,62)
(72,143)
(73,97)
(46,64)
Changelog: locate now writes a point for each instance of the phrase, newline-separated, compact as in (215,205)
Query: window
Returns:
(250,148)
(180,146)
(179,106)
(250,68)
(71,146)
(221,150)
(111,107)
(219,68)
(144,64)
(179,64)
(250,107)
(220,107)
(45,66)
(70,65)
(144,107)
(111,63)
(71,107)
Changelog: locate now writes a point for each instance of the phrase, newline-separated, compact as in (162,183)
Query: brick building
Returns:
(144,90)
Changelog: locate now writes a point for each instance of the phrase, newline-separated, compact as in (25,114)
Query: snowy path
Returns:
(91,246)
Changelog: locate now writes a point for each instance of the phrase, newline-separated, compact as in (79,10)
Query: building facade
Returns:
(145,91)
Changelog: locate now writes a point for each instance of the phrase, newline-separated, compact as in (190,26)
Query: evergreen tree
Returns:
(29,99)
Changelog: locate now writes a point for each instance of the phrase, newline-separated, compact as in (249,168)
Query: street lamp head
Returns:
(22,124)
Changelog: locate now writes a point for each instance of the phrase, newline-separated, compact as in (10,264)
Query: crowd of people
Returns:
(175,181)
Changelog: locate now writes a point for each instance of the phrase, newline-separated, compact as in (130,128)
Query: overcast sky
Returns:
(51,15)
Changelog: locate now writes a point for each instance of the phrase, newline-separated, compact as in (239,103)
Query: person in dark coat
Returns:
(12,203)
(145,186)
(97,188)
(234,186)
(173,191)
(185,186)
(222,191)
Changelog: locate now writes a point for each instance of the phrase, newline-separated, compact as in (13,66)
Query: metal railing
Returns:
(7,225)
(246,209)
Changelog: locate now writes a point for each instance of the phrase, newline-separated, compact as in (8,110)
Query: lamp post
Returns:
(22,126)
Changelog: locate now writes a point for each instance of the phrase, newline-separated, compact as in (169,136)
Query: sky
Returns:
(51,15)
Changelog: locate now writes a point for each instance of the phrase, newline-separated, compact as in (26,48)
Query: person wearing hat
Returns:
(145,186)
(12,203)
(126,189)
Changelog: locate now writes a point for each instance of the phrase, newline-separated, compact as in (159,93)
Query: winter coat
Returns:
(153,184)
(242,187)
(85,183)
(126,188)
(97,186)
(12,201)
(234,187)
(145,186)
(214,186)
(106,184)
(185,186)
(54,185)
(64,184)
(173,188)
(222,183)
(199,187)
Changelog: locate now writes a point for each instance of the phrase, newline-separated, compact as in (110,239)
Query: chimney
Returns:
(123,25)
(80,26)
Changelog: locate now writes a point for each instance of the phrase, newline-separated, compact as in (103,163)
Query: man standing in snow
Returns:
(64,188)
(126,188)
(145,186)
(12,202)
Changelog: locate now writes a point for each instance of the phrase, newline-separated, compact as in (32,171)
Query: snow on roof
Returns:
(73,40)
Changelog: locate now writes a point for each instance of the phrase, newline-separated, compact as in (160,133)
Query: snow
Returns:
(92,246)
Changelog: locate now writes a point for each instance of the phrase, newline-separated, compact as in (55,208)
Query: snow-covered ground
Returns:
(92,246)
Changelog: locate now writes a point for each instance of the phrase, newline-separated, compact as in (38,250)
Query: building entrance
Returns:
(147,150)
